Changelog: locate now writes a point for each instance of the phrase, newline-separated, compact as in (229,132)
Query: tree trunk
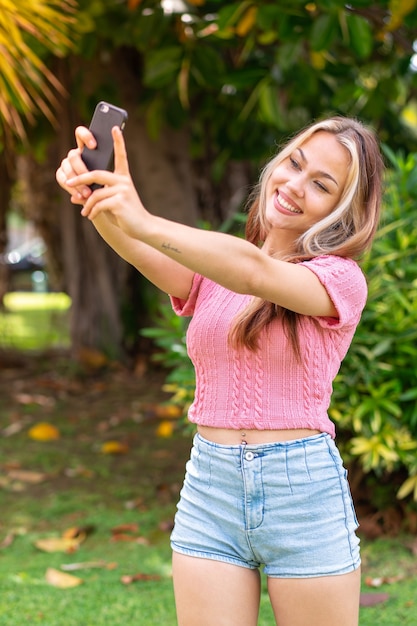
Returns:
(7,176)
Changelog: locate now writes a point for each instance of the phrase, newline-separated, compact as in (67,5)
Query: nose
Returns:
(296,185)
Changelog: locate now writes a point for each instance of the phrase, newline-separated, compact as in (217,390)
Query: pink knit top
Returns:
(270,388)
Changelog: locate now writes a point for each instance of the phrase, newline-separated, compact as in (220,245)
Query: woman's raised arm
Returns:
(167,274)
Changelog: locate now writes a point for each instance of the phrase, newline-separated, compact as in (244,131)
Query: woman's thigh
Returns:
(214,593)
(322,601)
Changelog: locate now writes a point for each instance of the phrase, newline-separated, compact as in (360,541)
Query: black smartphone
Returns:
(105,117)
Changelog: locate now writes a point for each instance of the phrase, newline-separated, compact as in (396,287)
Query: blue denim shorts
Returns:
(285,506)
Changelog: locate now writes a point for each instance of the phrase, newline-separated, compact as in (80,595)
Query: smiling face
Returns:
(307,185)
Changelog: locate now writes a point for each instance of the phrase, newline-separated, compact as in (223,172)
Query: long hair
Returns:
(347,231)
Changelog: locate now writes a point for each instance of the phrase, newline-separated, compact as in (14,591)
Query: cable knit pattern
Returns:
(236,382)
(270,389)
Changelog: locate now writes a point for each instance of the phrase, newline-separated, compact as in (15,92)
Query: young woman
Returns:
(273,317)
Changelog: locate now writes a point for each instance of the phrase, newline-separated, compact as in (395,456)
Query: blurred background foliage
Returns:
(212,88)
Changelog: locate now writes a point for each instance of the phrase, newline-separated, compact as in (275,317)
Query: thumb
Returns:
(121,164)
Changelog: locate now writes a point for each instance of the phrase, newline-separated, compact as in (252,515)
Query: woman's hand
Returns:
(73,165)
(117,198)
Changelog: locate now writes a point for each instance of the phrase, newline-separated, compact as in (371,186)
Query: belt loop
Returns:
(243,445)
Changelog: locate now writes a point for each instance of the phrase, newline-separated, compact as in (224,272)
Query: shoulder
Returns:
(335,268)
(345,283)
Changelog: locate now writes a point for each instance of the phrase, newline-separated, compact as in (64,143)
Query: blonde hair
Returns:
(347,231)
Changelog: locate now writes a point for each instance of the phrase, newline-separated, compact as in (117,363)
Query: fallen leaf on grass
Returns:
(43,431)
(58,544)
(29,398)
(165,429)
(78,532)
(382,580)
(123,528)
(27,476)
(128,532)
(14,428)
(62,580)
(370,599)
(114,447)
(168,411)
(72,567)
(69,541)
(129,579)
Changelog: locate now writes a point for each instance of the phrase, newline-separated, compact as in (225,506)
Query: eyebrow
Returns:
(323,174)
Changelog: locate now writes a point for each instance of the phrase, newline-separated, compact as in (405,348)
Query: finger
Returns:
(97,203)
(74,166)
(76,196)
(67,171)
(100,177)
(121,164)
(78,199)
(84,137)
(61,177)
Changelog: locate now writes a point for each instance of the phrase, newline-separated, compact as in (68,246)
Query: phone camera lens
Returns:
(104,108)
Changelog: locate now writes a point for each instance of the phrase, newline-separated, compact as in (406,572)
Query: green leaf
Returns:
(230,14)
(162,66)
(410,394)
(290,54)
(207,66)
(409,486)
(411,183)
(324,31)
(360,35)
(269,16)
(269,105)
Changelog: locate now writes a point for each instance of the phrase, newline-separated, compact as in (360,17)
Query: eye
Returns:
(321,186)
(295,164)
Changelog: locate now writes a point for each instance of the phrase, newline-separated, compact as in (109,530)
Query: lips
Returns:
(286,205)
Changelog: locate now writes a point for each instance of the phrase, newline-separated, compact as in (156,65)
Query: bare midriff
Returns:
(229,436)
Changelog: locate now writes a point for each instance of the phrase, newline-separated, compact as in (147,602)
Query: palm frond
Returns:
(28,30)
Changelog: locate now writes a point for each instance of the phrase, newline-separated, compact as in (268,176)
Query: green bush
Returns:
(168,334)
(375,393)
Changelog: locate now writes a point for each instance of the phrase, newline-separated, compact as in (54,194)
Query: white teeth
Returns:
(287,206)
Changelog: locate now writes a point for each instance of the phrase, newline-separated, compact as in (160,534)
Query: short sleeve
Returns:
(346,285)
(186,307)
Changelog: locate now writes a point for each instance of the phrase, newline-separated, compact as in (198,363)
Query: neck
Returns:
(279,243)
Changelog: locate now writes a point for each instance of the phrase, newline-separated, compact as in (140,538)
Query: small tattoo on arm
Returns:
(167,246)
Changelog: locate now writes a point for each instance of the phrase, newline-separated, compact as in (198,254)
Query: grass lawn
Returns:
(121,505)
